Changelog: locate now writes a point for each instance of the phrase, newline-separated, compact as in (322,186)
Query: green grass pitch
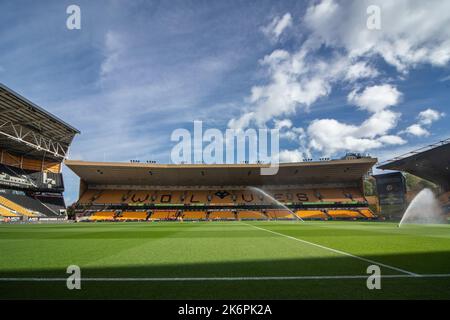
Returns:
(225,260)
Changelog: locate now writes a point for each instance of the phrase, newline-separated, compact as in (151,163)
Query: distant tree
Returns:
(369,187)
(414,183)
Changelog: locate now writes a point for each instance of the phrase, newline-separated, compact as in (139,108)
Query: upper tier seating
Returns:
(220,197)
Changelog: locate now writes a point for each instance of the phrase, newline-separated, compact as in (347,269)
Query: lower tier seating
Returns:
(193,215)
(344,214)
(225,215)
(15,207)
(133,215)
(280,214)
(251,215)
(311,214)
(163,215)
(4,212)
(102,216)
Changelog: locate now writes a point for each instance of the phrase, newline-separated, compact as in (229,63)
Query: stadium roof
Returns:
(109,173)
(431,163)
(27,129)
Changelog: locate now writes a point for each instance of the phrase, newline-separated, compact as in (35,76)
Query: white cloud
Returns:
(291,156)
(412,32)
(416,130)
(360,70)
(330,136)
(424,119)
(296,81)
(277,26)
(428,116)
(375,98)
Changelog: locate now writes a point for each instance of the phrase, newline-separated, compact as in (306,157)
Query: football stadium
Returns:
(210,231)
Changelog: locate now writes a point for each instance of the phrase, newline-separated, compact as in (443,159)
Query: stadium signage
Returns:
(214,147)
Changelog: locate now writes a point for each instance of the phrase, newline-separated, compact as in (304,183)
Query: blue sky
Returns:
(137,70)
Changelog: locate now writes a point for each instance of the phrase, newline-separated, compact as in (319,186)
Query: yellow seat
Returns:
(280,214)
(133,215)
(102,215)
(163,215)
(311,214)
(253,215)
(4,212)
(194,215)
(228,215)
(15,207)
(344,214)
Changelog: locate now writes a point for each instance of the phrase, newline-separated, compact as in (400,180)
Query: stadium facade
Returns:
(146,191)
(33,144)
(431,163)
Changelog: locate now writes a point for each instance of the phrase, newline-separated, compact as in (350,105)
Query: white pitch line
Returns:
(333,277)
(338,251)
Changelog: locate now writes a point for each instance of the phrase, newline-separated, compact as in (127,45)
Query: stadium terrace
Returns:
(148,192)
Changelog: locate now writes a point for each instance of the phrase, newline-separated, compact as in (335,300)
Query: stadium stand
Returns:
(223,192)
(14,207)
(430,163)
(33,144)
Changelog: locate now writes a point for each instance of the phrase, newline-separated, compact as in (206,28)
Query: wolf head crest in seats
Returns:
(222,194)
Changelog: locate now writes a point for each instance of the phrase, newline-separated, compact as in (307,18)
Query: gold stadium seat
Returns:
(311,214)
(280,214)
(333,195)
(226,215)
(15,207)
(193,215)
(367,213)
(197,197)
(110,196)
(133,215)
(103,216)
(251,215)
(163,215)
(4,212)
(344,214)
(251,197)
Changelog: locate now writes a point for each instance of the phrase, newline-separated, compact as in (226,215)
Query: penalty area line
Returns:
(268,278)
(338,251)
